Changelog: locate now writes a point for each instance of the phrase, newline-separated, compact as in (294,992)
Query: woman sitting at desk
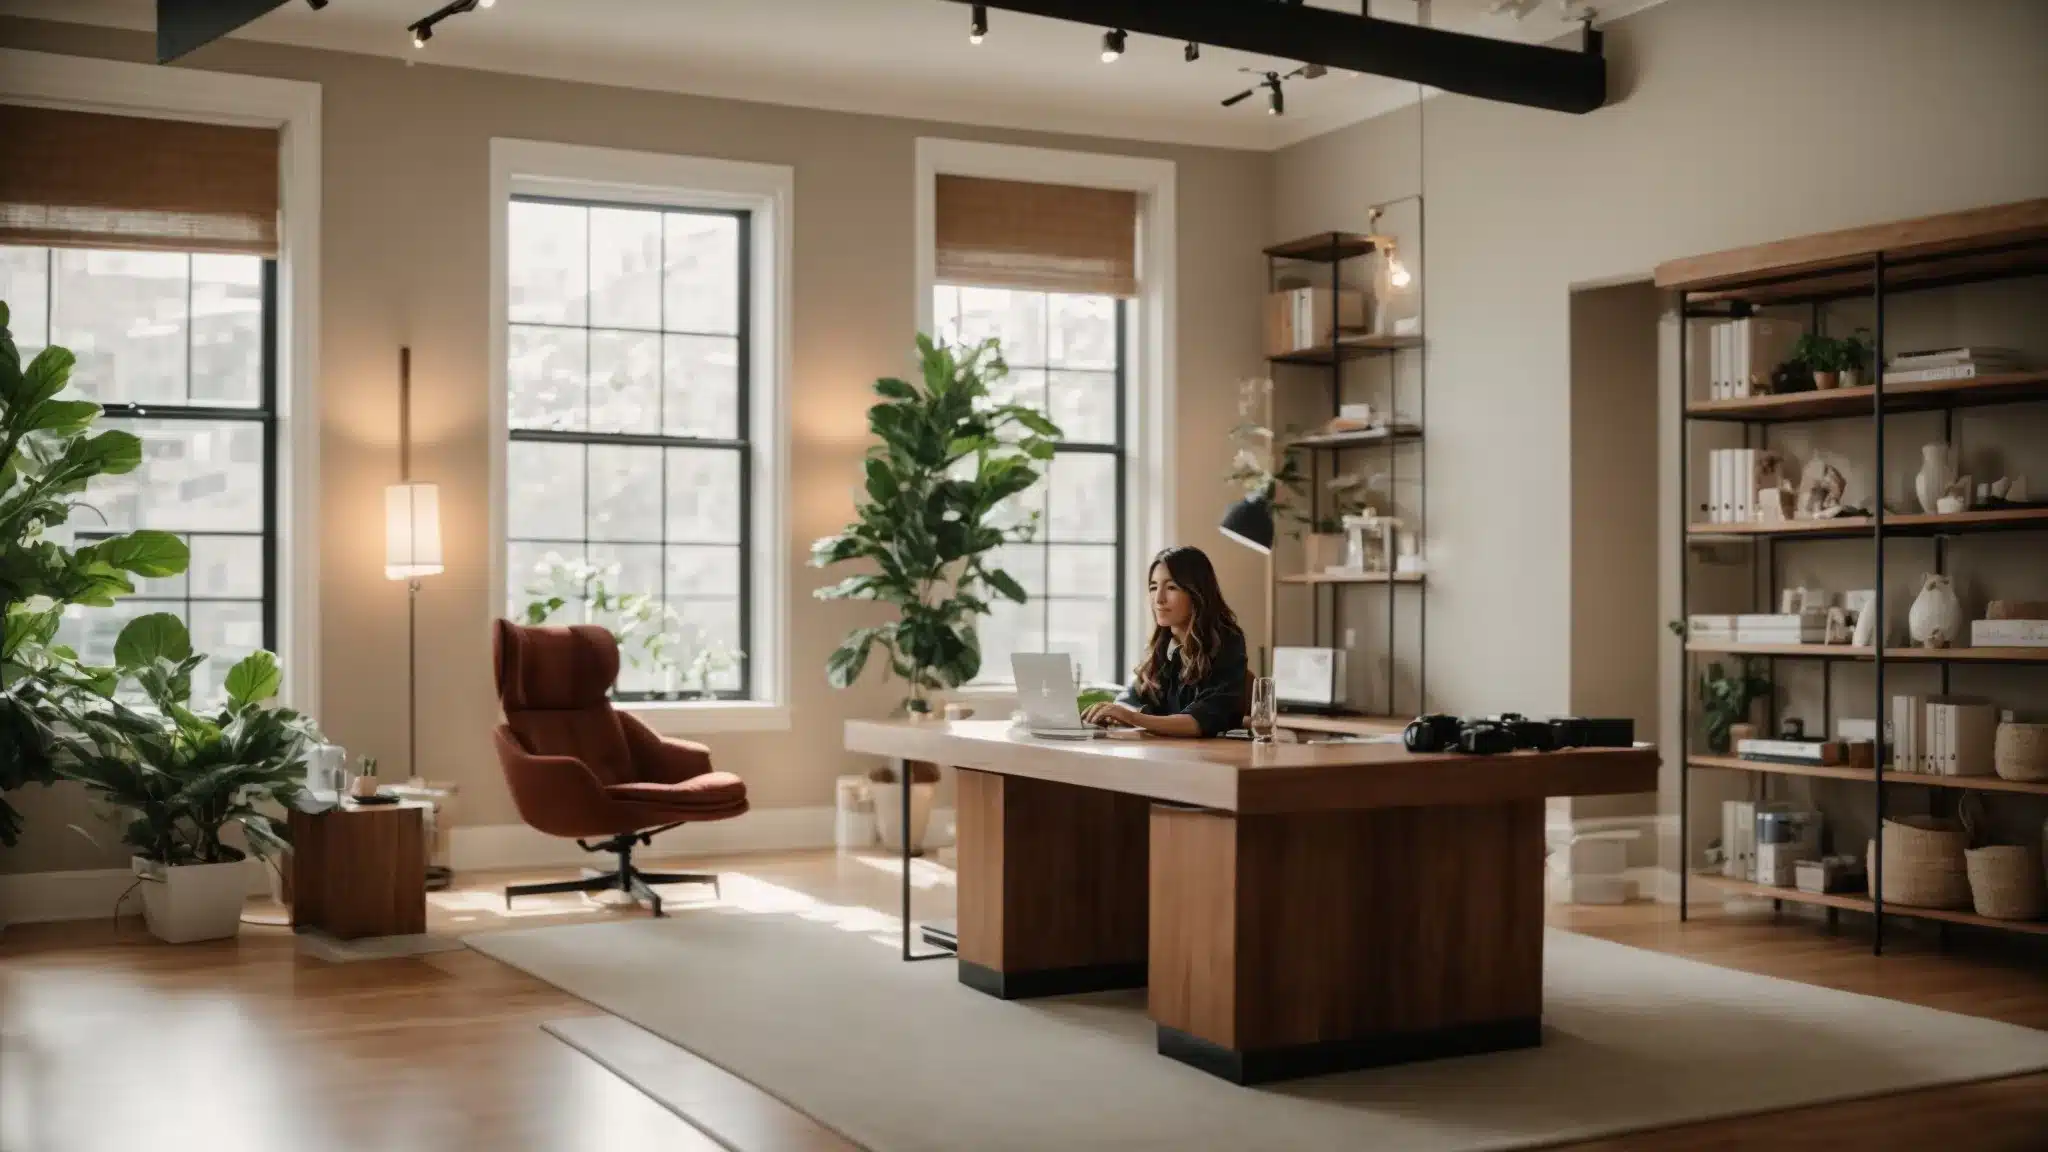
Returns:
(1192,679)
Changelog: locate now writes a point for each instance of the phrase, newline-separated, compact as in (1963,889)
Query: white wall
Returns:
(1736,122)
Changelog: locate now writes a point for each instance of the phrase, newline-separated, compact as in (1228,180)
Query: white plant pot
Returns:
(889,813)
(192,902)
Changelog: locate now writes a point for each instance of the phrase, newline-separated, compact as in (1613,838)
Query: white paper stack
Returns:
(1806,627)
(1720,628)
(1909,733)
(1738,839)
(1960,732)
(1950,364)
(2009,633)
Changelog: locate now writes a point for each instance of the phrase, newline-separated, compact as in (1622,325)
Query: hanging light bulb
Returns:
(421,35)
(977,27)
(1192,52)
(1397,272)
(1112,45)
(1276,104)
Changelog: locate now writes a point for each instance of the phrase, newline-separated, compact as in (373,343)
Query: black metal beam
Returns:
(183,25)
(1559,79)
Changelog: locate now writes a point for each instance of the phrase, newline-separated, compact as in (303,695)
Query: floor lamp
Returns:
(412,549)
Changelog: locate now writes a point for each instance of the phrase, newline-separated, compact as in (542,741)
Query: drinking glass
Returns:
(1263,715)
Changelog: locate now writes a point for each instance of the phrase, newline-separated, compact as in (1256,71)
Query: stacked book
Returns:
(2012,624)
(1742,353)
(1808,752)
(1943,735)
(1950,364)
(1733,484)
(1806,627)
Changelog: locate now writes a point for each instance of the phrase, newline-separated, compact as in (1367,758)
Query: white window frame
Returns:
(767,191)
(1148,336)
(293,108)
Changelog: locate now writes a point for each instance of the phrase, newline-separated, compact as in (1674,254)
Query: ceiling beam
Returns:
(183,25)
(1559,79)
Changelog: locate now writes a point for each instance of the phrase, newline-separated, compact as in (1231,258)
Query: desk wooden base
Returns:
(360,871)
(1052,887)
(1298,944)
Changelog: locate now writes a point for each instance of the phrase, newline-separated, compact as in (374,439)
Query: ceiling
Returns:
(889,57)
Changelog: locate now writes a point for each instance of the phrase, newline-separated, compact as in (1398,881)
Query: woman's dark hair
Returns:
(1213,620)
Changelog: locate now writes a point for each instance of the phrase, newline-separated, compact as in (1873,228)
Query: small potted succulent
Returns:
(1855,357)
(1824,356)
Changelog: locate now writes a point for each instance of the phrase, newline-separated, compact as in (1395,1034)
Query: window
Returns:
(1067,359)
(179,349)
(629,471)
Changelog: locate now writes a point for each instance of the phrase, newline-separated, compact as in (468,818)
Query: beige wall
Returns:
(1738,121)
(1614,510)
(405,261)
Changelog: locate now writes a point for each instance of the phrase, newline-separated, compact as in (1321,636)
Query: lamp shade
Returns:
(1250,523)
(412,531)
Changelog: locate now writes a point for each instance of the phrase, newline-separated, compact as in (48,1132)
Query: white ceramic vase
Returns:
(1937,617)
(1937,472)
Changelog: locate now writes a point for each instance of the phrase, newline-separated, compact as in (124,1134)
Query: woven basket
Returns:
(2006,883)
(2021,751)
(1923,863)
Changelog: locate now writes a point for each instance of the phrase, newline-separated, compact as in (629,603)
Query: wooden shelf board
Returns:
(1808,651)
(1856,403)
(1840,526)
(1354,578)
(1324,247)
(1926,248)
(1348,348)
(1851,652)
(1862,903)
(1864,776)
(1343,725)
(1895,524)
(1338,441)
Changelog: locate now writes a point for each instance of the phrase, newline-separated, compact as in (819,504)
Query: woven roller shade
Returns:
(1046,237)
(90,180)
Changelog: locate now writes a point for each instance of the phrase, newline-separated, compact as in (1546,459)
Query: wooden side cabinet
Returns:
(360,870)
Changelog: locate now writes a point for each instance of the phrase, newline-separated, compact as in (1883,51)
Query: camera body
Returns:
(1432,733)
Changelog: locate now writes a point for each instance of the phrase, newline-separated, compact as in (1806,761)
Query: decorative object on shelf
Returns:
(1922,863)
(1740,733)
(1937,471)
(2020,751)
(1865,635)
(2016,610)
(364,786)
(1324,551)
(1955,499)
(1936,619)
(1791,376)
(1829,874)
(1840,627)
(1784,836)
(2006,882)
(949,455)
(1727,700)
(1792,728)
(1855,357)
(1821,488)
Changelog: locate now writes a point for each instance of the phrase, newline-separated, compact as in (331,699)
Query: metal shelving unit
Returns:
(1330,252)
(2003,242)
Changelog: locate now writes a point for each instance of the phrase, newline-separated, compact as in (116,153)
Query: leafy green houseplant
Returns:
(1725,700)
(949,458)
(652,636)
(181,777)
(1824,356)
(48,455)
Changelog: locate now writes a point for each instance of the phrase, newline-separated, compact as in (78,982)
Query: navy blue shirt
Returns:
(1216,701)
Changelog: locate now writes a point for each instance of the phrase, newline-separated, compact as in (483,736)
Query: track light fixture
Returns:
(423,29)
(1192,52)
(316,5)
(1112,45)
(1276,103)
(977,27)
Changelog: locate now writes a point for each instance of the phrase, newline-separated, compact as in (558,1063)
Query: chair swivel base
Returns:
(626,878)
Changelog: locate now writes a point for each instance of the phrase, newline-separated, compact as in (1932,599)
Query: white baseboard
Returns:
(39,897)
(478,846)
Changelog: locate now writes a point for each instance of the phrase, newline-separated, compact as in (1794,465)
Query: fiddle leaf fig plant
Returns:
(180,775)
(949,457)
(1725,700)
(48,455)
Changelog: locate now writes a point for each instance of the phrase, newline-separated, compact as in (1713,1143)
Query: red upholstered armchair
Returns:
(581,769)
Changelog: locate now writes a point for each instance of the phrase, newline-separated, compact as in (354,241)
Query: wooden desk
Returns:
(360,870)
(1306,907)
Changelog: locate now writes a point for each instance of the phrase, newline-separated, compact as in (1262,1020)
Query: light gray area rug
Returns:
(902,1058)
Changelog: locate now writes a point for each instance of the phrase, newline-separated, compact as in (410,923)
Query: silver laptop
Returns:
(1045,691)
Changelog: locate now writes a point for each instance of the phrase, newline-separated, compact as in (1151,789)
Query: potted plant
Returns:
(181,777)
(1824,356)
(1727,700)
(949,462)
(1855,357)
(48,454)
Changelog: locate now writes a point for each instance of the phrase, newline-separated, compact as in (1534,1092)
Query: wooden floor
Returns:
(110,1041)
